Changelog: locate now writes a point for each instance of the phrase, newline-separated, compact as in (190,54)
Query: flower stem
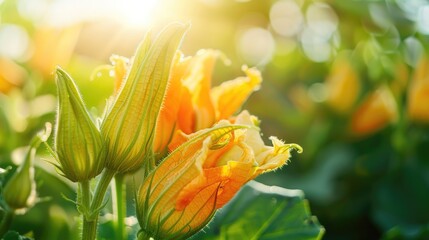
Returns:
(6,222)
(101,189)
(89,227)
(119,205)
(89,230)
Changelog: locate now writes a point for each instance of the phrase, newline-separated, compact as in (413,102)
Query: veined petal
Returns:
(202,174)
(129,126)
(157,196)
(198,82)
(186,116)
(169,112)
(230,95)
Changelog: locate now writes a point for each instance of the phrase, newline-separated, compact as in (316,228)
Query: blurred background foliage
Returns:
(347,80)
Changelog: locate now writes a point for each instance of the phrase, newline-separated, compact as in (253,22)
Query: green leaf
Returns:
(263,212)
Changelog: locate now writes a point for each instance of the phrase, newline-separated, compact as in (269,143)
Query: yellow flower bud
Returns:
(129,125)
(342,86)
(418,95)
(181,195)
(78,142)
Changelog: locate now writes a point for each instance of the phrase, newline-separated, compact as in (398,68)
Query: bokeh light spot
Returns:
(256,46)
(322,19)
(286,17)
(317,92)
(413,51)
(32,10)
(14,42)
(423,20)
(315,47)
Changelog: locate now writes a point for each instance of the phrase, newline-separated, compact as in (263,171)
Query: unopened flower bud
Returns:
(78,142)
(20,191)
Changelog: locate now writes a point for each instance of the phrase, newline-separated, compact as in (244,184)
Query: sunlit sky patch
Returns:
(61,13)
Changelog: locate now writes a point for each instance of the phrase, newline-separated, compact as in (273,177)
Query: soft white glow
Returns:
(14,42)
(413,51)
(286,17)
(137,12)
(423,19)
(411,7)
(322,19)
(256,46)
(32,10)
(315,47)
(60,13)
(317,92)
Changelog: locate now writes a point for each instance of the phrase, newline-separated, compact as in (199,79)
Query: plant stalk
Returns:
(89,229)
(6,222)
(119,205)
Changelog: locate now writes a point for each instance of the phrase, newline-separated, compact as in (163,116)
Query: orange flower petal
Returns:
(377,110)
(230,95)
(120,69)
(342,85)
(418,96)
(186,116)
(168,116)
(198,81)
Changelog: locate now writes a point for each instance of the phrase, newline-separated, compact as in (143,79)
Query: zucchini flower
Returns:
(418,97)
(129,125)
(202,174)
(342,86)
(191,104)
(78,141)
(376,112)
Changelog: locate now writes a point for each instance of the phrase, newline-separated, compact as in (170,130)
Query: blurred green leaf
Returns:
(263,212)
(12,235)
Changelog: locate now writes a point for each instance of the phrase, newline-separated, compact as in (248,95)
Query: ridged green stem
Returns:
(119,206)
(89,230)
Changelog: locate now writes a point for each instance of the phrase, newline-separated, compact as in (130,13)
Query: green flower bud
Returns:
(129,125)
(20,191)
(78,142)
